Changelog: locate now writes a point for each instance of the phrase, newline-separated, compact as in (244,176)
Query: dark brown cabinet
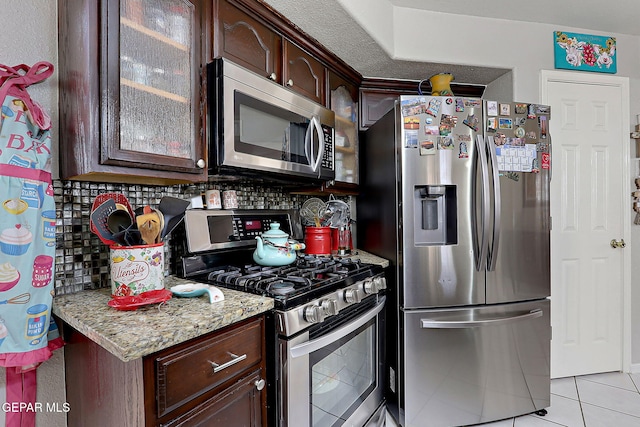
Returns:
(216,379)
(130,98)
(303,73)
(259,47)
(246,41)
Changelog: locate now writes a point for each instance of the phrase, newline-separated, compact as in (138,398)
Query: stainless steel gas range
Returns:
(326,339)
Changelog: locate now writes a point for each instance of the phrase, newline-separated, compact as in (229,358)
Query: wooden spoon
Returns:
(149,225)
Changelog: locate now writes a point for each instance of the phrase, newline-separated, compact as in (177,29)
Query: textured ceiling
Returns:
(331,25)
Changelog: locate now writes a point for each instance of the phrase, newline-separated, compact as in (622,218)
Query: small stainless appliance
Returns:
(327,334)
(256,125)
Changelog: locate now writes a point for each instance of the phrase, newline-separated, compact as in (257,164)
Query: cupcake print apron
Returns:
(27,237)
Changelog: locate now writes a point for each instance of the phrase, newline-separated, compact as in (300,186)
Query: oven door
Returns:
(333,376)
(263,126)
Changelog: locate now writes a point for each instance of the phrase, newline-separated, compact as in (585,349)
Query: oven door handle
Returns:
(311,346)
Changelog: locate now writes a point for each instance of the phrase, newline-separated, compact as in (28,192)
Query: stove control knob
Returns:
(381,283)
(329,306)
(370,287)
(352,296)
(313,314)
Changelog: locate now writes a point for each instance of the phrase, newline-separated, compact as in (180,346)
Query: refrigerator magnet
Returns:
(473,102)
(521,108)
(492,124)
(413,106)
(428,146)
(519,132)
(505,109)
(534,166)
(492,108)
(504,123)
(531,114)
(459,105)
(499,139)
(431,130)
(472,122)
(446,143)
(411,139)
(546,161)
(463,145)
(434,107)
(411,122)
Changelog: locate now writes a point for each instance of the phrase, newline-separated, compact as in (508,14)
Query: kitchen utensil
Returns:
(121,201)
(150,225)
(336,214)
(119,220)
(311,211)
(275,248)
(173,210)
(98,220)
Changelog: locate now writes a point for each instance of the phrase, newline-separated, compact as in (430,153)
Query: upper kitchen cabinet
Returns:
(247,42)
(344,102)
(130,91)
(303,73)
(377,96)
(245,34)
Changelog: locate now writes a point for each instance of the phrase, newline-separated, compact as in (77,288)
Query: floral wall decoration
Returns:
(585,52)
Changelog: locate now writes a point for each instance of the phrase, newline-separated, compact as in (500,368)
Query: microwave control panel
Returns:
(328,156)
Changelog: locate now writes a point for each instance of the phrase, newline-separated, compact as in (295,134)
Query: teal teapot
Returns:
(275,248)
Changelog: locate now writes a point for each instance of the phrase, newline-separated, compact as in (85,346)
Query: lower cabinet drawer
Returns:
(182,375)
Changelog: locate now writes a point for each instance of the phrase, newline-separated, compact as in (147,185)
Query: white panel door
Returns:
(589,181)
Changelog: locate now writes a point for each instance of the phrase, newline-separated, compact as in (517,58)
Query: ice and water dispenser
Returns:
(435,215)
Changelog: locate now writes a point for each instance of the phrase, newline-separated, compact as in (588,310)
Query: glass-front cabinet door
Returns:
(153,85)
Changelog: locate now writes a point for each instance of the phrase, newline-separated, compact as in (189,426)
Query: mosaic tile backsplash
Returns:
(82,260)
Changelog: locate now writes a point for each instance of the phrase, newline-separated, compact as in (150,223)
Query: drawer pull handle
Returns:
(259,384)
(235,359)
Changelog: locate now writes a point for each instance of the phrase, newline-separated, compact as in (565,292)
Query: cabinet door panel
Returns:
(247,42)
(152,76)
(238,405)
(303,73)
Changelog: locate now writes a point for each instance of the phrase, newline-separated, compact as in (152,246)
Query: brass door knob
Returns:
(615,244)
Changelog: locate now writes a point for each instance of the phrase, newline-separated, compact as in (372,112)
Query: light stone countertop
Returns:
(130,335)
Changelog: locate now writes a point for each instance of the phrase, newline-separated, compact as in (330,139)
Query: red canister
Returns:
(317,240)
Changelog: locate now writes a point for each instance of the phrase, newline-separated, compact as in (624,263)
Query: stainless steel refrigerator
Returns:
(455,193)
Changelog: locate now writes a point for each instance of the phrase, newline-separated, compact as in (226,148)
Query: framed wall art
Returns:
(585,52)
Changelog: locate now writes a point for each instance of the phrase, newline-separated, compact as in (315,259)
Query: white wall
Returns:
(29,35)
(525,48)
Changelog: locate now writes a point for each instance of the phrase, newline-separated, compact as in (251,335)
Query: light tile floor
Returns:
(601,400)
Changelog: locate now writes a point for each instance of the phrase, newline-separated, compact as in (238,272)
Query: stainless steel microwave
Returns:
(256,125)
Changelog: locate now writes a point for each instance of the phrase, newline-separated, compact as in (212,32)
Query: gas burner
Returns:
(281,288)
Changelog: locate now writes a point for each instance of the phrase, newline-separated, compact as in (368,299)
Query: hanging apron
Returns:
(27,239)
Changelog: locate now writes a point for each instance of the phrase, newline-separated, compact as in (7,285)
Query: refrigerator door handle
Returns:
(481,251)
(466,323)
(497,203)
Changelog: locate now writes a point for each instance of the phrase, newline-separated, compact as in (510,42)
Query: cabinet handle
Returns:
(259,384)
(234,359)
(201,163)
(273,76)
(289,82)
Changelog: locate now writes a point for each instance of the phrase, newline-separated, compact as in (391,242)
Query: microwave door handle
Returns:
(308,151)
(318,128)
